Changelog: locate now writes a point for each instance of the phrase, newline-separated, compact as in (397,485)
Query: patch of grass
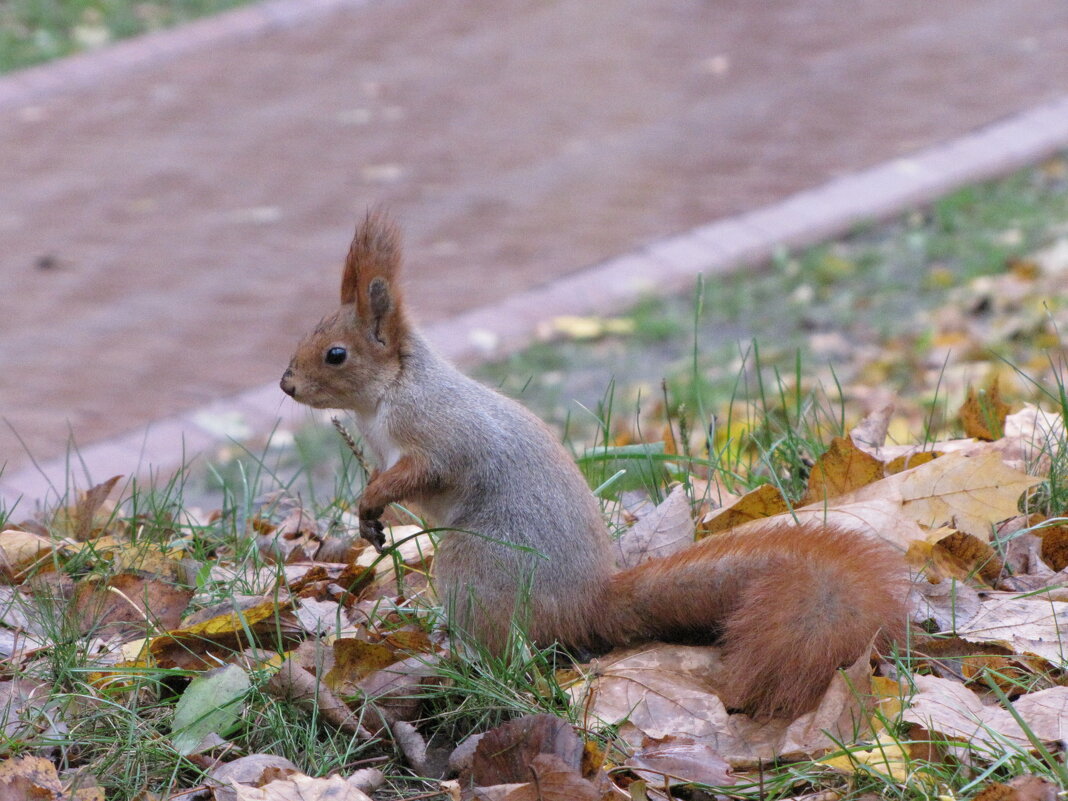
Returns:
(34,31)
(875,289)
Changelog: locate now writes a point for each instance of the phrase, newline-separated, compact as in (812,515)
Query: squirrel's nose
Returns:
(287,383)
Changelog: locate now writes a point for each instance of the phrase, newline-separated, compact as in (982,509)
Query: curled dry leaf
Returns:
(974,492)
(252,770)
(662,531)
(662,690)
(20,551)
(947,603)
(535,758)
(950,709)
(680,760)
(90,514)
(1021,788)
(398,688)
(29,777)
(842,468)
(1023,624)
(1033,437)
(869,435)
(983,413)
(765,501)
(301,788)
(130,603)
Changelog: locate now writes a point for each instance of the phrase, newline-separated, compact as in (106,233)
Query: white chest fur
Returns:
(375,433)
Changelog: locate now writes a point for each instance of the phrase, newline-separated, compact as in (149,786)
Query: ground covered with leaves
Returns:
(250,645)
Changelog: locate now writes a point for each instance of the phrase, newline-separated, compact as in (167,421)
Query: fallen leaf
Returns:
(20,551)
(662,690)
(667,529)
(211,704)
(30,777)
(950,709)
(841,469)
(301,788)
(680,760)
(983,414)
(1023,624)
(765,501)
(973,492)
(1020,788)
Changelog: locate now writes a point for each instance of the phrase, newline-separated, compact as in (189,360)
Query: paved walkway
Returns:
(174,210)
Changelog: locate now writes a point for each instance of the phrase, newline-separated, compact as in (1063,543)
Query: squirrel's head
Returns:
(352,356)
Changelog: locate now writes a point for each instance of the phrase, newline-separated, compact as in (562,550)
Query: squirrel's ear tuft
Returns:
(374,253)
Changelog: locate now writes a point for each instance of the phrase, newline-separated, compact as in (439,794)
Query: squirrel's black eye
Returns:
(336,355)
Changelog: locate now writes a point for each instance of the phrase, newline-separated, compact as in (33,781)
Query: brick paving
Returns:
(195,189)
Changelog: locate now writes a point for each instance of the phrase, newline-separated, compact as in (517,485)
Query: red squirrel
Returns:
(524,533)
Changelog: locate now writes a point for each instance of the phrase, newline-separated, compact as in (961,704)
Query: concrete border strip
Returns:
(37,83)
(668,265)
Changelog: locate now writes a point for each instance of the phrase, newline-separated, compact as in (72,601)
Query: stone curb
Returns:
(665,266)
(34,84)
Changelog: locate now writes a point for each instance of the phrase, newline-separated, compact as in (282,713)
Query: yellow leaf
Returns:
(843,468)
(886,757)
(983,414)
(20,550)
(972,491)
(764,501)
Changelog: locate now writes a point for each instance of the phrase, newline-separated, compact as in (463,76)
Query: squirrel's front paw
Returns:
(372,530)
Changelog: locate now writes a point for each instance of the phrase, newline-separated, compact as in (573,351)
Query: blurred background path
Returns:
(170,230)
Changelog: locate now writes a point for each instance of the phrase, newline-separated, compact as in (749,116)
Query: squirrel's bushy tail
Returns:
(789,606)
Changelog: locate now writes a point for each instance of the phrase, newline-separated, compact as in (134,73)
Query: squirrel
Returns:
(525,534)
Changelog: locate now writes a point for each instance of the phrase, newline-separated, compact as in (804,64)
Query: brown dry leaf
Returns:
(665,530)
(30,777)
(974,663)
(552,780)
(398,688)
(662,690)
(948,603)
(679,760)
(130,603)
(879,518)
(841,469)
(1023,624)
(301,788)
(202,646)
(1032,438)
(535,758)
(907,461)
(966,556)
(765,501)
(974,492)
(20,551)
(983,414)
(90,514)
(1054,545)
(1021,788)
(869,435)
(950,709)
(504,753)
(353,660)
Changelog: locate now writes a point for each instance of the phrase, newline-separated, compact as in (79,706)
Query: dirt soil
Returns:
(167,236)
